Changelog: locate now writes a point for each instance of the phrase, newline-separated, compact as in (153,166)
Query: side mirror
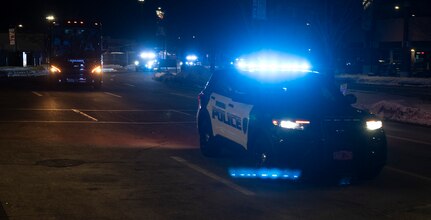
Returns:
(351,99)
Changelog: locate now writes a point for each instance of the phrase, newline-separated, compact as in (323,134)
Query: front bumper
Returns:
(75,78)
(355,154)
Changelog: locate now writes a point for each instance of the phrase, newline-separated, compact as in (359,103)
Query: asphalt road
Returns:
(130,151)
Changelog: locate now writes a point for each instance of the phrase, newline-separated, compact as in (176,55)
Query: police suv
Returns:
(300,121)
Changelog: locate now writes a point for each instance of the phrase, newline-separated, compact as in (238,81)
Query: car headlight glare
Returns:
(291,124)
(54,69)
(97,70)
(374,125)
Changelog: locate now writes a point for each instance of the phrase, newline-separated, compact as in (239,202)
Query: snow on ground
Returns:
(109,68)
(12,71)
(385,80)
(397,112)
(392,107)
(395,108)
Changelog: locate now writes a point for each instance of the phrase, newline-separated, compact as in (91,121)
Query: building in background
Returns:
(398,37)
(27,49)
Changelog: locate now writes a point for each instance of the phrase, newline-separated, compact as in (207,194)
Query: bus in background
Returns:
(75,53)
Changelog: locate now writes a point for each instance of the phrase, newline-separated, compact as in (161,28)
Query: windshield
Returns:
(307,94)
(75,42)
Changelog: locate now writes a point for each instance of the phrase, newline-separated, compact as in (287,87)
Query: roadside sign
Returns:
(12,36)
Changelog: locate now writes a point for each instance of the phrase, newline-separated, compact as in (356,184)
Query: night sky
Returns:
(130,19)
(216,24)
(220,24)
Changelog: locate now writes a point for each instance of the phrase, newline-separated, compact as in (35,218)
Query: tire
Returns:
(207,141)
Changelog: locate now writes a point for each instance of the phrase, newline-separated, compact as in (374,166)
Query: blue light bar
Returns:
(272,66)
(272,61)
(265,173)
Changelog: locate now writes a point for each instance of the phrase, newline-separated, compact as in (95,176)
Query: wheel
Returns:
(207,142)
(262,152)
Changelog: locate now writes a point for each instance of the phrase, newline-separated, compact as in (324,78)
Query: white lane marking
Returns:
(181,112)
(127,84)
(112,94)
(408,173)
(83,114)
(410,140)
(36,93)
(214,176)
(183,95)
(105,122)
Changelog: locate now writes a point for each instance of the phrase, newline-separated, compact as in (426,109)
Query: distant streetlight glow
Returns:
(397,7)
(160,14)
(191,58)
(50,18)
(20,26)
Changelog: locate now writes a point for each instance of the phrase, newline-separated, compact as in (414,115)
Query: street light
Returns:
(160,14)
(50,18)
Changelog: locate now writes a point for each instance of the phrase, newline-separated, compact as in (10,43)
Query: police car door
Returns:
(217,107)
(229,116)
(239,108)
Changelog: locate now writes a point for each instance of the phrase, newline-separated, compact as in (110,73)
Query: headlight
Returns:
(136,63)
(150,64)
(291,124)
(374,125)
(54,69)
(97,70)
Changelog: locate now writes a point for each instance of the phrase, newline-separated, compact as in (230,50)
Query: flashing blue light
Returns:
(150,64)
(148,55)
(191,58)
(345,181)
(265,173)
(273,66)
